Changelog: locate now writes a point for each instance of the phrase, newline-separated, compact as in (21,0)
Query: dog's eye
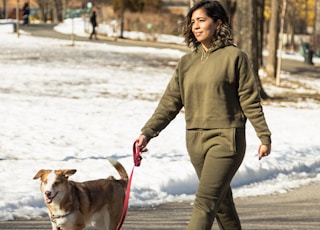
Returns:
(56,183)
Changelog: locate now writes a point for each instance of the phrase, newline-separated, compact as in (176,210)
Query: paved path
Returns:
(46,30)
(297,209)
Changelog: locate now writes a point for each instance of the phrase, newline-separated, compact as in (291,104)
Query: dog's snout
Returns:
(47,193)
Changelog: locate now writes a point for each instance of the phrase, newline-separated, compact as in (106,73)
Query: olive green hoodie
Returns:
(217,89)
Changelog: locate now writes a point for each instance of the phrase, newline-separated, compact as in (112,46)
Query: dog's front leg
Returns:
(55,227)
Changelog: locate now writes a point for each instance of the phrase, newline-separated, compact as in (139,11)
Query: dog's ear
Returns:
(67,172)
(40,173)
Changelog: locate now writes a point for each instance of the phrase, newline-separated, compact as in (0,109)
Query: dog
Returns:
(76,205)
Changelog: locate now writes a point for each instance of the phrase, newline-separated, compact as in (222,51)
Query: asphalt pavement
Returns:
(295,210)
(47,30)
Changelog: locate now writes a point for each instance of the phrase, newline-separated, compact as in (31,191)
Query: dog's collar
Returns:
(54,217)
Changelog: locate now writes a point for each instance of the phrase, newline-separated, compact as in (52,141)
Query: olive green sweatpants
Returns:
(216,155)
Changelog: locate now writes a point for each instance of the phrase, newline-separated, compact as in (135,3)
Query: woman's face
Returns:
(203,27)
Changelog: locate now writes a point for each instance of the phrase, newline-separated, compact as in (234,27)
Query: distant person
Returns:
(26,13)
(216,86)
(94,24)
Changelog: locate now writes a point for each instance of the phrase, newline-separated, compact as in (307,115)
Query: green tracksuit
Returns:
(218,94)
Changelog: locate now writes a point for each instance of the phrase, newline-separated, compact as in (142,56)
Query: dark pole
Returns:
(5,9)
(316,30)
(121,18)
(17,18)
(72,28)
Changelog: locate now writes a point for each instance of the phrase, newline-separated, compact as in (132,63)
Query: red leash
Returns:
(137,161)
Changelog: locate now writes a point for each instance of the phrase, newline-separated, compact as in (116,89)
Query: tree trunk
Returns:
(260,30)
(5,9)
(271,65)
(41,10)
(248,35)
(292,14)
(58,11)
(230,7)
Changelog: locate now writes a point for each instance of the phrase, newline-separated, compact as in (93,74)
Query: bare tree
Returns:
(291,20)
(5,9)
(273,41)
(56,7)
(248,34)
(41,4)
(230,6)
(58,11)
(260,29)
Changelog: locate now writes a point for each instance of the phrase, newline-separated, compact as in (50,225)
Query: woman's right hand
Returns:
(264,151)
(142,142)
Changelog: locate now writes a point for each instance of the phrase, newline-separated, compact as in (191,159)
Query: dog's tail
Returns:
(121,170)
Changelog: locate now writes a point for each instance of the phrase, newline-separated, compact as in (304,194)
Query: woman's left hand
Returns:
(264,151)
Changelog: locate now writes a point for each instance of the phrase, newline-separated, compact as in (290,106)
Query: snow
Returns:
(73,107)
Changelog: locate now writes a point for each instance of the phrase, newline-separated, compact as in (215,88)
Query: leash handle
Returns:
(137,158)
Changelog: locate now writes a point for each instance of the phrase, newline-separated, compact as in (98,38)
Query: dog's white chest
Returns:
(61,222)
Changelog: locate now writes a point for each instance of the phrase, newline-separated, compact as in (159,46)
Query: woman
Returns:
(217,88)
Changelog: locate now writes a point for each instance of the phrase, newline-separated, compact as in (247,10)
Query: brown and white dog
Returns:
(76,205)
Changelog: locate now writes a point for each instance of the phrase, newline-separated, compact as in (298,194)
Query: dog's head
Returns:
(54,183)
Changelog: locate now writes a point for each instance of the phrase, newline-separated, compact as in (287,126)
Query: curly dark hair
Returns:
(214,10)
